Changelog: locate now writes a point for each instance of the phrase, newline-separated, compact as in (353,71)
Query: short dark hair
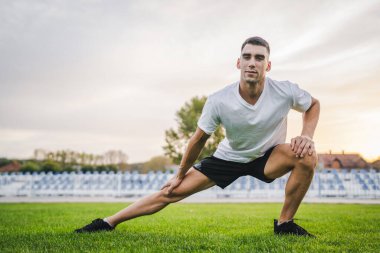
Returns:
(256,41)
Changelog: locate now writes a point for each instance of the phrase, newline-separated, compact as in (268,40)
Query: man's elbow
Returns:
(200,136)
(314,103)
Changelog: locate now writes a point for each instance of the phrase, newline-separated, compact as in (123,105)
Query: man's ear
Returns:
(238,63)
(269,66)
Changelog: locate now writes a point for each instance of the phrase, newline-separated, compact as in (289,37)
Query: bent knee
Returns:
(308,162)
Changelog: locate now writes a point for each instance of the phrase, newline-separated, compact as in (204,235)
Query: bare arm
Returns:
(194,148)
(310,119)
(304,144)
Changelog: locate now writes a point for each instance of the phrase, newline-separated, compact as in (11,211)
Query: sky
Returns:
(92,76)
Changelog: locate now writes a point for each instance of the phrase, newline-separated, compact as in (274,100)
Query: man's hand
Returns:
(301,145)
(173,183)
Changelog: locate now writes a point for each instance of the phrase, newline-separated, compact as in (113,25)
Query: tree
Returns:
(4,162)
(115,157)
(156,163)
(51,166)
(187,119)
(30,166)
(40,154)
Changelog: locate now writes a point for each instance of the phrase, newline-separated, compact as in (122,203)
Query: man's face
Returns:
(253,64)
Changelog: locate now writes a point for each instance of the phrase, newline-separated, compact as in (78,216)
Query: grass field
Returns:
(189,227)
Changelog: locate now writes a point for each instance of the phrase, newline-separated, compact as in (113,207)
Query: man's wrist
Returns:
(180,174)
(307,136)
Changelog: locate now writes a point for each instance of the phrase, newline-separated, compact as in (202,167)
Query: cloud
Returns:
(116,72)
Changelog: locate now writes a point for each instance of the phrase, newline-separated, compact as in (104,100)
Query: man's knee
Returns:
(308,162)
(168,198)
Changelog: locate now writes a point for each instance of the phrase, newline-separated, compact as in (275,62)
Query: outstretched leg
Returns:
(193,182)
(281,161)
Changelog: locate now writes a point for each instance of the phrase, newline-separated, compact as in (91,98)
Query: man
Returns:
(253,113)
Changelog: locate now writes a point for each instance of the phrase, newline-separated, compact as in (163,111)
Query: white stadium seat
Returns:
(326,183)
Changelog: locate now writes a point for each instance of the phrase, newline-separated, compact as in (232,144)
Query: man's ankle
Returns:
(108,221)
(283,221)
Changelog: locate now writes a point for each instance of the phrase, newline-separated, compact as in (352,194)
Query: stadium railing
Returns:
(358,183)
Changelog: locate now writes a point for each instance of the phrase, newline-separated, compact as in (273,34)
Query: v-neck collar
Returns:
(245,103)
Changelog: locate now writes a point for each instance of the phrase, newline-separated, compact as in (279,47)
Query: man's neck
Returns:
(251,92)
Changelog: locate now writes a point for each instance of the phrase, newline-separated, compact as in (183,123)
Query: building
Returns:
(340,161)
(376,165)
(14,166)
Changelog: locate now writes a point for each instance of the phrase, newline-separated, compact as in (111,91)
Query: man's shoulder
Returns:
(279,83)
(226,91)
(283,87)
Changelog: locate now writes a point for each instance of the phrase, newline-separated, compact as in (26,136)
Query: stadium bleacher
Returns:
(326,183)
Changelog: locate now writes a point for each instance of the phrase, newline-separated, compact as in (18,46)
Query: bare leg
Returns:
(283,160)
(193,182)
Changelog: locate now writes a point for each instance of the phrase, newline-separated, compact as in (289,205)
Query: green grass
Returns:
(190,228)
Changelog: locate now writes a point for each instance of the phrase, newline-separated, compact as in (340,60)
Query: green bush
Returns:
(106,168)
(100,168)
(68,169)
(87,168)
(4,162)
(51,166)
(30,167)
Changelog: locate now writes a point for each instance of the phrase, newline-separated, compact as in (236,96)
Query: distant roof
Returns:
(376,164)
(12,167)
(346,160)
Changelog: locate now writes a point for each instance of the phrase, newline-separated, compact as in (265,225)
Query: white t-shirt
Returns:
(252,129)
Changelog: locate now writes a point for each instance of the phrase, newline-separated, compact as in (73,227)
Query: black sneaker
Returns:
(290,228)
(95,226)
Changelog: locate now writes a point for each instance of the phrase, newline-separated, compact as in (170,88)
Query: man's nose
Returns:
(252,63)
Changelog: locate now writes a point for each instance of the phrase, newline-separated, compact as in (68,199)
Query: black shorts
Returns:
(224,172)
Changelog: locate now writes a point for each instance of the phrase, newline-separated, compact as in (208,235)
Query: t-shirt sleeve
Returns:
(209,119)
(301,98)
